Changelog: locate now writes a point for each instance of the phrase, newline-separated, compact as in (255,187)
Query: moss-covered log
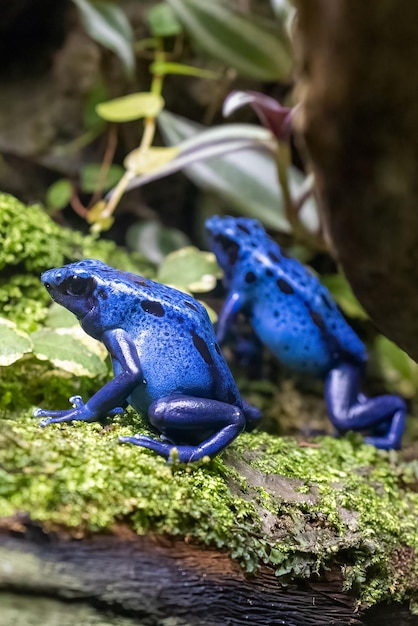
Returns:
(359,116)
(273,530)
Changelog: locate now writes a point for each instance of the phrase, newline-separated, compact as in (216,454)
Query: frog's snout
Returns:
(51,278)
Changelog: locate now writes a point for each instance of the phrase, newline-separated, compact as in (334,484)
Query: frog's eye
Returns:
(78,285)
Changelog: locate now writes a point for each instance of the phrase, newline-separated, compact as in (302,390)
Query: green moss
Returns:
(24,300)
(347,502)
(31,240)
(30,382)
(30,243)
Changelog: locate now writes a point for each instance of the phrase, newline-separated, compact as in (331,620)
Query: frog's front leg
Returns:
(230,309)
(383,416)
(111,398)
(210,423)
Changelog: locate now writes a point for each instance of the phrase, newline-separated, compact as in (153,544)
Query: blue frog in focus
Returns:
(166,360)
(295,317)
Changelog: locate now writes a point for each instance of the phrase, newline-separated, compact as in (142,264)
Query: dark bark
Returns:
(359,117)
(158,579)
(161,581)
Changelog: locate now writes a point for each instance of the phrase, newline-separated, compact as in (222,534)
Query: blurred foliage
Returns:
(107,24)
(344,296)
(242,168)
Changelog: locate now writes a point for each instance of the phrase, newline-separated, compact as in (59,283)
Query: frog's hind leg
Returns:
(184,418)
(383,416)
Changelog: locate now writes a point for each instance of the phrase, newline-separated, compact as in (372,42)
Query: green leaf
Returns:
(234,161)
(60,317)
(399,370)
(142,161)
(59,194)
(247,177)
(90,174)
(153,240)
(162,21)
(66,352)
(14,343)
(162,67)
(107,24)
(243,42)
(131,107)
(343,295)
(97,94)
(191,269)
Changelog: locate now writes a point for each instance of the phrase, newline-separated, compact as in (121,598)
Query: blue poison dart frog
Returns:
(294,315)
(165,357)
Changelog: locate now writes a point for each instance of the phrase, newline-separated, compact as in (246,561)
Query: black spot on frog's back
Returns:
(244,229)
(274,257)
(142,282)
(250,277)
(318,320)
(201,346)
(190,305)
(153,307)
(230,247)
(284,286)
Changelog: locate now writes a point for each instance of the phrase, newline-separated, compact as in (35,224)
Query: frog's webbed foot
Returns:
(80,411)
(383,417)
(181,417)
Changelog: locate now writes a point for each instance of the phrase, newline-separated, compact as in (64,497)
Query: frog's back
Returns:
(295,315)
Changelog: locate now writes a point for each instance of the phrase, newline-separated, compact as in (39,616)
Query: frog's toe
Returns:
(138,440)
(77,401)
(50,414)
(118,410)
(46,422)
(156,445)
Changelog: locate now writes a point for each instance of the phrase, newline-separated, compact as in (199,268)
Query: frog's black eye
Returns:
(77,286)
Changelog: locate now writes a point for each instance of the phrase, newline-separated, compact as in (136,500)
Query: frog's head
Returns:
(80,287)
(231,237)
(75,286)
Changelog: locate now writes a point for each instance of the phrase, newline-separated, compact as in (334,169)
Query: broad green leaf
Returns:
(397,367)
(190,269)
(247,178)
(154,241)
(67,353)
(107,24)
(162,21)
(14,343)
(90,177)
(151,160)
(162,67)
(59,194)
(343,295)
(60,317)
(234,161)
(243,42)
(131,107)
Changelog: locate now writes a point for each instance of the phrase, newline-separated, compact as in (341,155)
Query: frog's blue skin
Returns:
(294,315)
(165,357)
